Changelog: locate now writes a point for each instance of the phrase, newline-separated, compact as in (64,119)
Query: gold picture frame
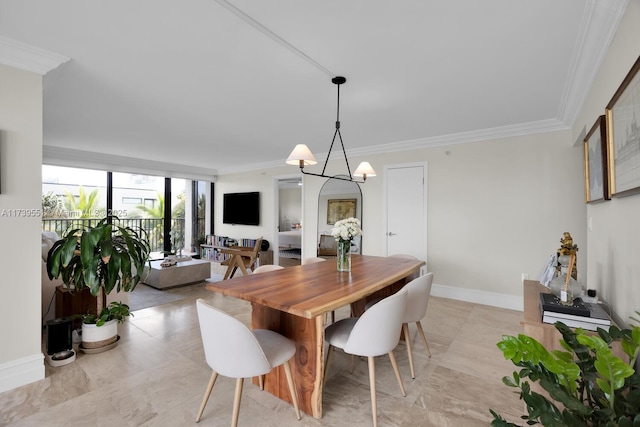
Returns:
(338,209)
(596,179)
(623,135)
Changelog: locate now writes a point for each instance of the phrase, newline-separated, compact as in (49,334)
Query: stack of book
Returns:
(578,315)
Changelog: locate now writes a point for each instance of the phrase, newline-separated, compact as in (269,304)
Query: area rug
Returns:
(144,296)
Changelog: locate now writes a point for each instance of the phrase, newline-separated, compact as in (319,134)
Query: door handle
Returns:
(391,234)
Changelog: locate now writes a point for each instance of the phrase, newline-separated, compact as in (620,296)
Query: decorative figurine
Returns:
(567,248)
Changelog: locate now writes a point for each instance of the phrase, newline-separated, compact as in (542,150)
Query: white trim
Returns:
(58,156)
(532,128)
(597,30)
(29,58)
(19,372)
(511,302)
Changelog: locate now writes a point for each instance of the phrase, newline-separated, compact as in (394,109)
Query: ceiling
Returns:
(219,86)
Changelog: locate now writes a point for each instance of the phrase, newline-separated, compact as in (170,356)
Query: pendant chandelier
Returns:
(301,155)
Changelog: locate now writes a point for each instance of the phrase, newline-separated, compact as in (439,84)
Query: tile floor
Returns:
(156,376)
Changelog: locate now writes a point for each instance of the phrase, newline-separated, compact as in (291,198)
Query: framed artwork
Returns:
(623,135)
(596,180)
(338,209)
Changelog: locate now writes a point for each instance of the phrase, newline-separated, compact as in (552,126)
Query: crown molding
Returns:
(29,58)
(542,126)
(598,28)
(511,131)
(59,156)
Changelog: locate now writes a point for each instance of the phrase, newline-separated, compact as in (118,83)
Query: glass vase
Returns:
(344,255)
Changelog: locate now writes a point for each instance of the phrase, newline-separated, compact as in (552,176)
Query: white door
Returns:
(406,209)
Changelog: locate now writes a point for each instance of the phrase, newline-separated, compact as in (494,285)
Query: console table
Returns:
(546,333)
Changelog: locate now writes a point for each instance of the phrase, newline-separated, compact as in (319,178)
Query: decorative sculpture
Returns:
(565,252)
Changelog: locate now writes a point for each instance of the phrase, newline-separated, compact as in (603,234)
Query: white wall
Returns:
(614,241)
(496,209)
(21,359)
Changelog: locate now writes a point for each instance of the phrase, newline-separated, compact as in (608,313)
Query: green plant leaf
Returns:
(53,260)
(90,275)
(68,249)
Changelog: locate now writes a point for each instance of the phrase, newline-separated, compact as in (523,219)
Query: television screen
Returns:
(241,208)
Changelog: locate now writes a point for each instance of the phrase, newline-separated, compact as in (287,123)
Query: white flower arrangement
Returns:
(346,229)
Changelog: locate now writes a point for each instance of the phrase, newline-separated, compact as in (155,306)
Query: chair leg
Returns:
(236,402)
(351,368)
(423,337)
(407,340)
(333,316)
(397,371)
(261,382)
(326,365)
(207,393)
(292,387)
(372,386)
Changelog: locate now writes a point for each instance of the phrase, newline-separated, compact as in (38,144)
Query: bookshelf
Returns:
(211,250)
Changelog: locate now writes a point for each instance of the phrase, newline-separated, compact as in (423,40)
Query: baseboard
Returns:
(511,302)
(16,373)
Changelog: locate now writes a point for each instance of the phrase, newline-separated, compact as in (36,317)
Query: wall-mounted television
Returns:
(241,208)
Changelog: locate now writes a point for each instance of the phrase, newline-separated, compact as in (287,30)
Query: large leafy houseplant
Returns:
(102,258)
(586,385)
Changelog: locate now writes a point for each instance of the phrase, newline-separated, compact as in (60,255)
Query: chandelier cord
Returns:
(337,132)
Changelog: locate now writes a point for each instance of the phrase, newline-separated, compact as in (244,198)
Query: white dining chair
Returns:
(313,260)
(373,334)
(233,350)
(419,291)
(412,258)
(266,268)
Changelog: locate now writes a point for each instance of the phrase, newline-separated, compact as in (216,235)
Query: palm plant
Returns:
(85,205)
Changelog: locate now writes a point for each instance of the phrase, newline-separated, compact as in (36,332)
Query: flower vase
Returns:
(344,255)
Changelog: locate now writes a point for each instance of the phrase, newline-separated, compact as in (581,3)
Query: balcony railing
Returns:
(154,227)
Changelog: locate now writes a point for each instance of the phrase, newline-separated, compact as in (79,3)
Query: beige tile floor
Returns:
(156,376)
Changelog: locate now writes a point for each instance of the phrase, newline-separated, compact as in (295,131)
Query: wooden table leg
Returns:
(307,364)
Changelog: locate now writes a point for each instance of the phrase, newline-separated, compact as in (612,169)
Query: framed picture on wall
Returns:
(338,209)
(596,180)
(623,135)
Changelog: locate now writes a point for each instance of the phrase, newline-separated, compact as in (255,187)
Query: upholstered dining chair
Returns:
(233,350)
(407,256)
(373,334)
(312,260)
(266,268)
(419,291)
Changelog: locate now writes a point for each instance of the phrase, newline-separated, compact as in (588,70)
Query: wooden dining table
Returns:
(294,301)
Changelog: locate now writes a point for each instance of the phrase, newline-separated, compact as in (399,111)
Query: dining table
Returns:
(294,301)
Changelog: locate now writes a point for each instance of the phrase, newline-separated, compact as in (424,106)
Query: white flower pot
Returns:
(99,336)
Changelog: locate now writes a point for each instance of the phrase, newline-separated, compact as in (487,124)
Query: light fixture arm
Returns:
(338,81)
(302,156)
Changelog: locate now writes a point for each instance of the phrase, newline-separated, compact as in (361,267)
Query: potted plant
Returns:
(587,385)
(100,331)
(102,258)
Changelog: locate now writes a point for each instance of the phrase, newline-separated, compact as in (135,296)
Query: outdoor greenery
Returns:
(51,206)
(586,385)
(85,206)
